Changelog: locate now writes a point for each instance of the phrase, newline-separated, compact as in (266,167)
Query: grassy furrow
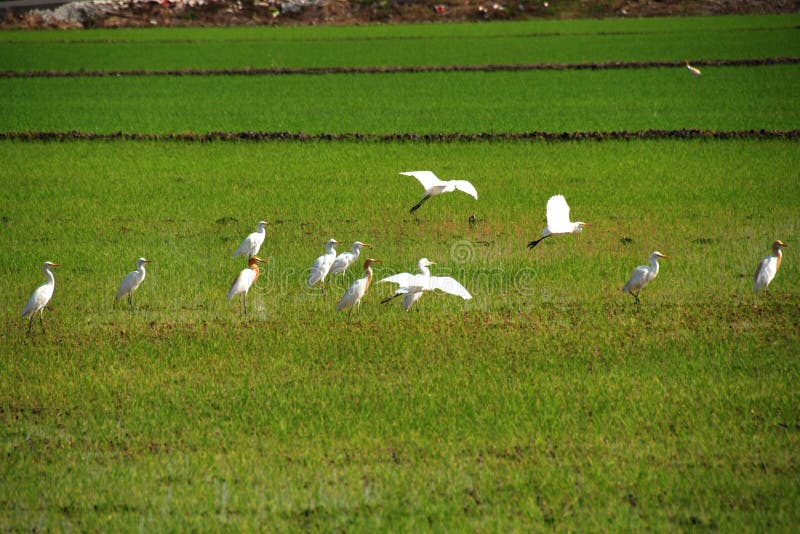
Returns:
(724,99)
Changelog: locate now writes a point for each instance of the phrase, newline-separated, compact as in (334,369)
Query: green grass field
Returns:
(548,401)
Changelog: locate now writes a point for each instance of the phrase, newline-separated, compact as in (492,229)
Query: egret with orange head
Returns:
(357,290)
(247,277)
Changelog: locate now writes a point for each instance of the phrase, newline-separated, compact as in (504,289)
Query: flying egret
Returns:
(768,267)
(694,70)
(41,296)
(558,220)
(131,282)
(252,243)
(434,186)
(642,275)
(357,289)
(322,265)
(247,277)
(412,286)
(344,260)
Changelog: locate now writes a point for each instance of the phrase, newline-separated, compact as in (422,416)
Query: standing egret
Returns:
(642,275)
(412,286)
(768,267)
(247,277)
(434,186)
(357,289)
(558,220)
(41,296)
(131,282)
(344,260)
(694,70)
(322,265)
(252,243)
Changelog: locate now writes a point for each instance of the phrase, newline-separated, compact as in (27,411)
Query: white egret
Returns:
(357,289)
(132,281)
(252,243)
(558,220)
(412,286)
(41,296)
(768,267)
(642,275)
(245,280)
(322,265)
(694,70)
(344,260)
(434,186)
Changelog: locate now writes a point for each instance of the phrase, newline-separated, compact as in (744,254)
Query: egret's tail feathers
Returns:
(420,203)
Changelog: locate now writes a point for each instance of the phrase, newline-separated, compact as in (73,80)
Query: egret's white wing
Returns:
(765,273)
(426,178)
(558,215)
(403,279)
(466,187)
(353,294)
(448,285)
(318,271)
(242,283)
(129,283)
(39,299)
(342,262)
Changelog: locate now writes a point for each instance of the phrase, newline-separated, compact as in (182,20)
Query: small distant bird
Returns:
(434,186)
(252,243)
(694,70)
(357,289)
(558,220)
(344,260)
(642,275)
(768,267)
(41,296)
(245,280)
(322,265)
(412,286)
(132,281)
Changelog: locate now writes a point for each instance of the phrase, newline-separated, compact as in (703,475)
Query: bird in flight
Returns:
(694,70)
(558,220)
(412,286)
(434,186)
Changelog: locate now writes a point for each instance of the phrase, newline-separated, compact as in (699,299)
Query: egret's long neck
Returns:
(423,270)
(51,279)
(142,269)
(654,264)
(368,272)
(776,251)
(356,250)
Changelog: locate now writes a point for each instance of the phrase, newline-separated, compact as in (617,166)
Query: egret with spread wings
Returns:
(412,286)
(558,220)
(434,186)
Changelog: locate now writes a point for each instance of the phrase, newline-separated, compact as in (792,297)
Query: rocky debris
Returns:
(119,13)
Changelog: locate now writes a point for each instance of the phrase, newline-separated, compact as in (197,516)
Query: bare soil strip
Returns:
(277,71)
(407,137)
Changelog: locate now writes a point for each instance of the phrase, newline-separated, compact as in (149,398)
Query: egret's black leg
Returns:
(420,203)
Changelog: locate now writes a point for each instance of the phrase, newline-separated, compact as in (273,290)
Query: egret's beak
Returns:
(55,265)
(662,256)
(366,245)
(587,224)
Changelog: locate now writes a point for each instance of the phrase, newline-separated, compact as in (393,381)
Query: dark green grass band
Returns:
(606,65)
(405,137)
